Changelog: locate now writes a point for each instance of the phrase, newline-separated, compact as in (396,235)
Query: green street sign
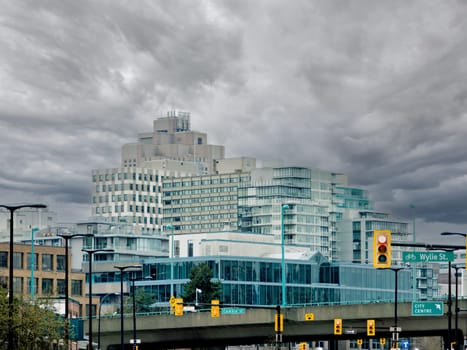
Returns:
(427,308)
(232,311)
(430,257)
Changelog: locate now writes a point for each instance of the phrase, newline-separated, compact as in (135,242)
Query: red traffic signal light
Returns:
(382,249)
(337,326)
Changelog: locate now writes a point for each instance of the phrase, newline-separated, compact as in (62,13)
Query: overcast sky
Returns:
(373,89)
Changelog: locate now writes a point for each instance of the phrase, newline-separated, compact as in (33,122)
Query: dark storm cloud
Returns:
(372,89)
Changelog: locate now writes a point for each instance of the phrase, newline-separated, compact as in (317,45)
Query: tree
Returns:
(201,278)
(34,325)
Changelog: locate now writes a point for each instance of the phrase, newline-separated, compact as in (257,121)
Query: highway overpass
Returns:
(256,326)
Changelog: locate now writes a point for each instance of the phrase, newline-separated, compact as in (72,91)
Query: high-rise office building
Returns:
(172,176)
(172,138)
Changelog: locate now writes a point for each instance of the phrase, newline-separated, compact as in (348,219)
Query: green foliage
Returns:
(34,325)
(201,278)
(144,301)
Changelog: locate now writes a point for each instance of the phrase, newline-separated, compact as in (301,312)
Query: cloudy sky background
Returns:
(373,89)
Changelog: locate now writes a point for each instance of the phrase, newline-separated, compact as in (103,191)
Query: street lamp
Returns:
(284,299)
(450,291)
(33,263)
(91,252)
(101,301)
(171,228)
(67,237)
(456,307)
(12,209)
(122,269)
(395,335)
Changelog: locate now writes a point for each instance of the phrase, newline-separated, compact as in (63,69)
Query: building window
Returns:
(190,248)
(77,287)
(17,260)
(61,287)
(18,285)
(4,259)
(47,286)
(61,262)
(36,261)
(47,262)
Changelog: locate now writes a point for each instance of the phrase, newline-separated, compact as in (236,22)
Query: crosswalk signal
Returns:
(278,322)
(337,326)
(382,249)
(215,308)
(370,328)
(178,306)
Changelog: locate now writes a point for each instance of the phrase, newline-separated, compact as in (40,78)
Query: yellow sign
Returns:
(309,317)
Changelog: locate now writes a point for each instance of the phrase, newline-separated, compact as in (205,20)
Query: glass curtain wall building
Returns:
(257,281)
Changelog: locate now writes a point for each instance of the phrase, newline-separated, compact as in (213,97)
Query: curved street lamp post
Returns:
(12,209)
(122,270)
(91,252)
(450,293)
(67,237)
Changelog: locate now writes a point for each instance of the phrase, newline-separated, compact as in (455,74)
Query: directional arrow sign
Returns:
(433,257)
(427,308)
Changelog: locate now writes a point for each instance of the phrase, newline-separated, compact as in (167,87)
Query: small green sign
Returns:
(232,311)
(431,257)
(427,308)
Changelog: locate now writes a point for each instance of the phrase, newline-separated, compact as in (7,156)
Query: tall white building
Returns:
(172,138)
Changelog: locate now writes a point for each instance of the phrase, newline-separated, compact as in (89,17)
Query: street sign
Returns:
(132,341)
(232,310)
(395,329)
(432,257)
(427,308)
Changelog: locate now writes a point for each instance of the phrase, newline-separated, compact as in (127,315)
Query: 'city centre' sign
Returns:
(427,308)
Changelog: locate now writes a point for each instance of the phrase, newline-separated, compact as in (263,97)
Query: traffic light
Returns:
(178,306)
(303,346)
(370,328)
(337,326)
(278,322)
(215,308)
(382,249)
(382,341)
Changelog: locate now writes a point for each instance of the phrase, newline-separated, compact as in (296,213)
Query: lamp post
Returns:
(414,277)
(171,228)
(134,313)
(284,299)
(122,269)
(33,263)
(396,337)
(91,252)
(12,209)
(456,306)
(450,292)
(101,301)
(67,237)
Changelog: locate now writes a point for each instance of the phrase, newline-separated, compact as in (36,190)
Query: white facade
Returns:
(227,243)
(172,138)
(25,219)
